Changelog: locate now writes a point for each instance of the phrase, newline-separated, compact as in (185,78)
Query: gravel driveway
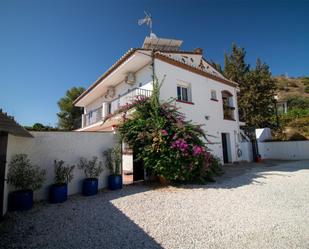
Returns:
(252,206)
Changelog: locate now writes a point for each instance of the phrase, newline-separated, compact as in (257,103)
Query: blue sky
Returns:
(49,46)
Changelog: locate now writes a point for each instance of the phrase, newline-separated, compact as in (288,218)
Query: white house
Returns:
(204,95)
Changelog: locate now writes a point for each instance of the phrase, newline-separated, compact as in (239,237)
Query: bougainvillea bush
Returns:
(168,145)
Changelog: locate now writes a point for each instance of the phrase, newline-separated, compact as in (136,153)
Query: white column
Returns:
(83,120)
(104,109)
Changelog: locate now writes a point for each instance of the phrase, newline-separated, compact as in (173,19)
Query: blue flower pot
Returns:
(114,182)
(90,186)
(58,193)
(20,200)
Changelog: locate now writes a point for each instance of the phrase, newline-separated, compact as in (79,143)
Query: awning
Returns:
(8,124)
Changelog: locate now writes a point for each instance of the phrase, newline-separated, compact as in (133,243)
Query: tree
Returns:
(235,67)
(257,88)
(257,98)
(68,112)
(40,127)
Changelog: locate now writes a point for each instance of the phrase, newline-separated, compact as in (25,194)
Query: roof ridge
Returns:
(198,69)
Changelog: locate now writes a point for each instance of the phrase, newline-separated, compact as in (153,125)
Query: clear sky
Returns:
(49,46)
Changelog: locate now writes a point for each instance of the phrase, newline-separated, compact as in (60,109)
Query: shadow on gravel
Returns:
(237,175)
(81,222)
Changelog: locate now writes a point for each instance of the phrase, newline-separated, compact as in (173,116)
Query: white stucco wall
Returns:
(288,150)
(45,147)
(203,105)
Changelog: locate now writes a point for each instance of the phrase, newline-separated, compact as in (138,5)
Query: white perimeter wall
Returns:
(288,150)
(45,147)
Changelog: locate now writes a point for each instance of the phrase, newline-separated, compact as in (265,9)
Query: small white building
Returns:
(204,95)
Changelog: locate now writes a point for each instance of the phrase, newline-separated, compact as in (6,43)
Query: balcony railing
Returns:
(92,117)
(128,97)
(111,107)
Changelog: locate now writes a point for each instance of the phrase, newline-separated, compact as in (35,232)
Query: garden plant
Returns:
(58,192)
(168,145)
(92,170)
(26,178)
(113,163)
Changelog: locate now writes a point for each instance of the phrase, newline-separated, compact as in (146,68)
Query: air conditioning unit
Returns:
(130,78)
(110,93)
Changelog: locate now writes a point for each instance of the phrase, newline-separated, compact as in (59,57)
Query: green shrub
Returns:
(296,136)
(92,168)
(113,159)
(307,89)
(167,144)
(63,174)
(298,102)
(305,80)
(23,175)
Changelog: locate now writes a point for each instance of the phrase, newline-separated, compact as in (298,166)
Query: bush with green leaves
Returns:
(167,144)
(113,159)
(23,174)
(92,168)
(63,174)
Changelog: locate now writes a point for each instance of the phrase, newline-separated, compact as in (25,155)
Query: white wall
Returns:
(203,105)
(45,147)
(246,149)
(288,150)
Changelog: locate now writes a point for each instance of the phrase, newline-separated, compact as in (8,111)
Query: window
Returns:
(228,108)
(213,95)
(183,93)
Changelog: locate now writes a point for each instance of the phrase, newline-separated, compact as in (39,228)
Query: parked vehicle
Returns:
(58,192)
(92,170)
(26,178)
(113,163)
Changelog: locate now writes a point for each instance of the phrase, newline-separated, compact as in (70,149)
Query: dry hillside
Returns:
(292,87)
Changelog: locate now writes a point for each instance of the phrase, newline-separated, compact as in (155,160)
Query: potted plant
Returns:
(113,163)
(92,169)
(26,178)
(58,192)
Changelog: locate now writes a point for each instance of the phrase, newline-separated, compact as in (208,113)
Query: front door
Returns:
(225,148)
(3,148)
(138,169)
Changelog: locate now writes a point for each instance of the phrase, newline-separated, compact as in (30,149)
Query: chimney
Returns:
(198,51)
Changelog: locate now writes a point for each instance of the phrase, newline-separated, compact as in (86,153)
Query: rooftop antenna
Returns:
(148,20)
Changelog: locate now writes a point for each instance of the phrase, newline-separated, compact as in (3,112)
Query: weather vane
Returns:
(148,20)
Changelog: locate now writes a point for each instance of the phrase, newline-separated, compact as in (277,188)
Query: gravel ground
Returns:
(251,206)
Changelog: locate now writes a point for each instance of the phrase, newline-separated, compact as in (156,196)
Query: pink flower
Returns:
(197,150)
(164,133)
(180,144)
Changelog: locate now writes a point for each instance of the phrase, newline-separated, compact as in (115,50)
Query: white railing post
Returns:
(104,109)
(83,121)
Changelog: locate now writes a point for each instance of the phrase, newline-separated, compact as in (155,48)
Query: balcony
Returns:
(228,112)
(109,108)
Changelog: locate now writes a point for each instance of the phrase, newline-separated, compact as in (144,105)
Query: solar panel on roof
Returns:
(162,44)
